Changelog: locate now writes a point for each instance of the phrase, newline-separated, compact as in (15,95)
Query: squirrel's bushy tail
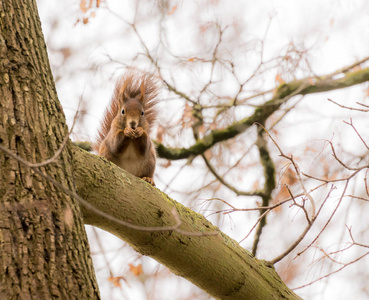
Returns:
(131,83)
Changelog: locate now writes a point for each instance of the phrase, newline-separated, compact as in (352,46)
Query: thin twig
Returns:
(299,205)
(297,169)
(348,107)
(253,227)
(358,134)
(302,236)
(334,272)
(353,240)
(225,183)
(328,221)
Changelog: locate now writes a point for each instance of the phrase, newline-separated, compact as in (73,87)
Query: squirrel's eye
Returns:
(142,113)
(122,111)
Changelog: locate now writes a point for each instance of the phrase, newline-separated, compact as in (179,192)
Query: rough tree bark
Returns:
(44,252)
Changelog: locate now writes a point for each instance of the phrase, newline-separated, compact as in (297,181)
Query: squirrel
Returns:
(123,137)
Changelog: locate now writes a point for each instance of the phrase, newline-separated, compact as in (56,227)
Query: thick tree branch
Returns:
(283,93)
(217,264)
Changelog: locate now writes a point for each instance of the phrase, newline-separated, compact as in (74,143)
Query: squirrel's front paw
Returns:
(139,131)
(149,180)
(129,132)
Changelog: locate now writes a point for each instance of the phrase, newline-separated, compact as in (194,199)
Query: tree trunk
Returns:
(43,244)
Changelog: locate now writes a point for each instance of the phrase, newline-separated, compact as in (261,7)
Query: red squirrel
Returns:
(124,134)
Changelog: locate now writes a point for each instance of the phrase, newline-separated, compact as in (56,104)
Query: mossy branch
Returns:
(217,264)
(269,185)
(283,93)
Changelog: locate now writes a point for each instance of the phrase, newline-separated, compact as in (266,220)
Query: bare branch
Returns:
(253,227)
(353,240)
(348,107)
(329,219)
(302,206)
(269,184)
(358,134)
(334,272)
(222,180)
(297,170)
(302,236)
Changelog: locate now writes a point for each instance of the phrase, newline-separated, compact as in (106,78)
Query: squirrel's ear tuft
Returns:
(123,92)
(143,91)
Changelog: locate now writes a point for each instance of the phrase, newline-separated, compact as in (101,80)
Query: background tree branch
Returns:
(283,93)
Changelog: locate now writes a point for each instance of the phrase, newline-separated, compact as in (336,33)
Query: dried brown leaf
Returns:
(366,92)
(187,116)
(279,79)
(168,164)
(256,185)
(117,281)
(160,133)
(83,6)
(173,10)
(357,68)
(135,270)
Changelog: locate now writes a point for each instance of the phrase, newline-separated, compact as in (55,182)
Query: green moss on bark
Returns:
(217,264)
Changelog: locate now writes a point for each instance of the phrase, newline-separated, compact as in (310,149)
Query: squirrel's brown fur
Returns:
(124,134)
(131,81)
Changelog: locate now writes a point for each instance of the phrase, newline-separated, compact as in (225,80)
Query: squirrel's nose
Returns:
(133,124)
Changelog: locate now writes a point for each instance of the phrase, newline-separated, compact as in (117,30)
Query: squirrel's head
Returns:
(132,107)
